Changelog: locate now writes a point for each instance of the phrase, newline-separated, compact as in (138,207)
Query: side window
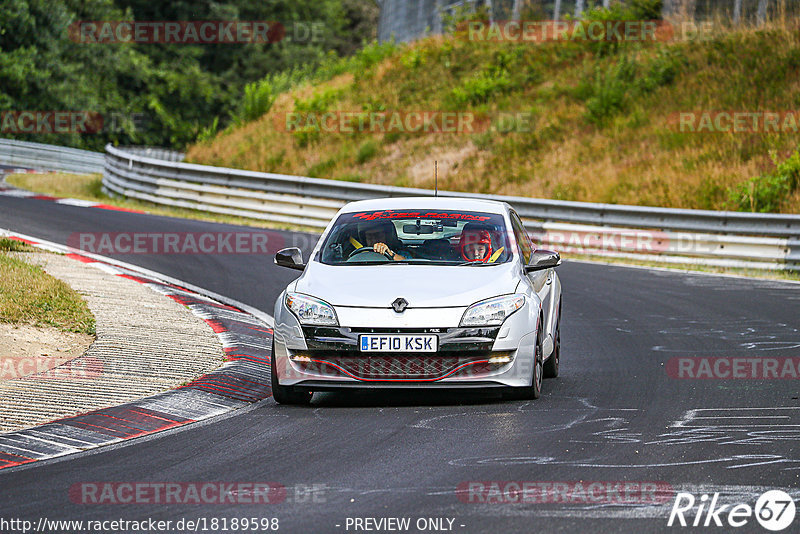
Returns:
(522,237)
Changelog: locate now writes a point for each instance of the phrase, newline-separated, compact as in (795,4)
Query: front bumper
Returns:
(318,358)
(465,358)
(334,352)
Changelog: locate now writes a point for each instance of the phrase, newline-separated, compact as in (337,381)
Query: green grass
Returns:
(367,151)
(28,295)
(13,245)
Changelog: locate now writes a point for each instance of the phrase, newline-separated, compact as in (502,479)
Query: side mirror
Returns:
(291,258)
(543,259)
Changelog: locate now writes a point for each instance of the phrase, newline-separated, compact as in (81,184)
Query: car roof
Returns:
(427,203)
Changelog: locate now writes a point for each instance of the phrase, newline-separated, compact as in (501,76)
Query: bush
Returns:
(13,245)
(646,9)
(766,193)
(258,99)
(209,132)
(306,135)
(371,54)
(320,169)
(610,88)
(319,102)
(358,64)
(373,105)
(259,96)
(367,151)
(391,137)
(414,58)
(478,89)
(663,70)
(315,106)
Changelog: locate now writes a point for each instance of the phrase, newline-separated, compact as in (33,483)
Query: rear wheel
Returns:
(534,391)
(551,365)
(286,394)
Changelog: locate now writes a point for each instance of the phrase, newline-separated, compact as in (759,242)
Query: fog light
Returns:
(299,358)
(500,359)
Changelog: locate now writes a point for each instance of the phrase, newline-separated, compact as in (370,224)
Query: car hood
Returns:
(377,286)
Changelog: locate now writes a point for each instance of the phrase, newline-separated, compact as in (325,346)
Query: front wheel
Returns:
(534,391)
(286,394)
(551,365)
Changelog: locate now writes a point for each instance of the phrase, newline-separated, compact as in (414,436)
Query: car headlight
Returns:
(492,312)
(311,311)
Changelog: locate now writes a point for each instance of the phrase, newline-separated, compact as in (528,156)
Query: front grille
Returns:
(407,367)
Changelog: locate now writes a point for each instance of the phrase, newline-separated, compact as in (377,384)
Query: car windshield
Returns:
(417,237)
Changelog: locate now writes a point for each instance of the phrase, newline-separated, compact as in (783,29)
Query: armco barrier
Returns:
(49,157)
(732,239)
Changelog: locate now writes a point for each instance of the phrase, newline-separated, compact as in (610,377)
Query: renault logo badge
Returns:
(400,305)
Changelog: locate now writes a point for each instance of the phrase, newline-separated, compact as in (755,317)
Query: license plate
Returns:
(398,342)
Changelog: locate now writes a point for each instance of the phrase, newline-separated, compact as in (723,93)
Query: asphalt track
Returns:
(614,414)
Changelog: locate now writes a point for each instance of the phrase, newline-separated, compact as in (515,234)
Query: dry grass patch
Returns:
(28,295)
(60,184)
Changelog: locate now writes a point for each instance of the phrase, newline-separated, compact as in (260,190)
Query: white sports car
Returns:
(418,293)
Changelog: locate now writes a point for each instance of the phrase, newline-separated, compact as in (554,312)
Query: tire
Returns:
(286,394)
(534,391)
(551,365)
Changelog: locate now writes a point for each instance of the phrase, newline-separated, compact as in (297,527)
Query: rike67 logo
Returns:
(774,510)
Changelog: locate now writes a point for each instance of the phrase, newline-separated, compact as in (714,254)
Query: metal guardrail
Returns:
(750,240)
(157,153)
(49,157)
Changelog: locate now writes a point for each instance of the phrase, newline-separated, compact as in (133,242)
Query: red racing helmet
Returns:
(471,237)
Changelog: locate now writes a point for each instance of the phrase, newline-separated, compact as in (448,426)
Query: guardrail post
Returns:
(793,257)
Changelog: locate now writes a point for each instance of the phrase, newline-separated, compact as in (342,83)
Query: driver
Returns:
(476,246)
(376,235)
